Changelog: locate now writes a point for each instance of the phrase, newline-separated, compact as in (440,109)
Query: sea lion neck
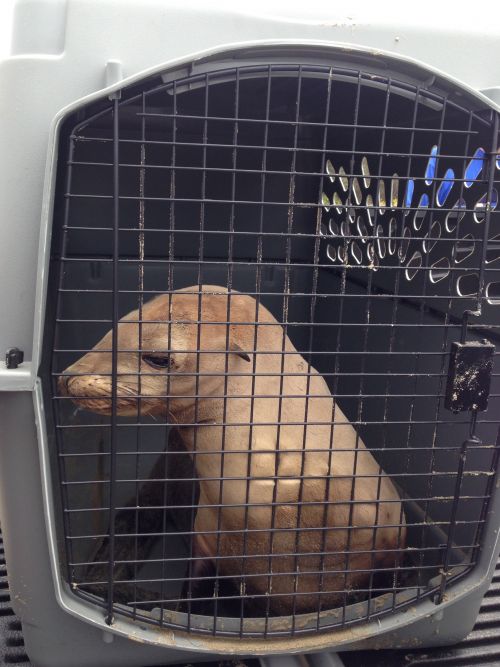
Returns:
(206,410)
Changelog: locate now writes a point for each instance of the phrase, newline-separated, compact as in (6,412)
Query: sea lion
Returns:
(304,512)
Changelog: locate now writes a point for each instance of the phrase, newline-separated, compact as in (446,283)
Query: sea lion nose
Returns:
(62,383)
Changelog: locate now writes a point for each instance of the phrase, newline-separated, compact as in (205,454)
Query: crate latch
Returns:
(469,376)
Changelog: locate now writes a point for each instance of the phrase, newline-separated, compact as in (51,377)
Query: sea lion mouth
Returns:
(93,393)
(124,407)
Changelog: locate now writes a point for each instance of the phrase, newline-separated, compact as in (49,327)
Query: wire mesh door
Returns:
(259,272)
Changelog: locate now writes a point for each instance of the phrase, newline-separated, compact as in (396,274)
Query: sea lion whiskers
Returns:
(147,409)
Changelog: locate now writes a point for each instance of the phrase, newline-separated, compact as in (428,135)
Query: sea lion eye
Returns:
(156,361)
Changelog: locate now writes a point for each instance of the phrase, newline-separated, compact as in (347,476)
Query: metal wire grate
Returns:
(279,234)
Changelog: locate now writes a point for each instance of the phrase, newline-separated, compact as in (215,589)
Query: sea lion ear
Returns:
(234,347)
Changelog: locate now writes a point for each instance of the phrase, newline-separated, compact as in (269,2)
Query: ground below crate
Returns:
(480,649)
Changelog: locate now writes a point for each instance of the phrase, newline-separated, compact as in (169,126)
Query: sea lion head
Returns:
(169,353)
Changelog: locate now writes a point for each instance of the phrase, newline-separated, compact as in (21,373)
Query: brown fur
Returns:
(299,447)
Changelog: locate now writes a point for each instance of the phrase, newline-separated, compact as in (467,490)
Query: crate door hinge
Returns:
(113,73)
(13,357)
(469,376)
